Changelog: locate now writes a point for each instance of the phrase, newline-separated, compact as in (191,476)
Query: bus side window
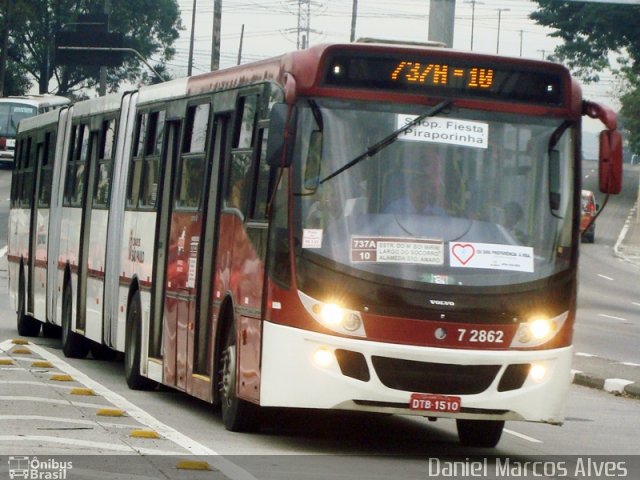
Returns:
(238,190)
(74,187)
(102,188)
(135,169)
(44,195)
(264,179)
(192,159)
(151,162)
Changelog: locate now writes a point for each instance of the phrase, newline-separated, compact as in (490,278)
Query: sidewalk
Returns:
(604,374)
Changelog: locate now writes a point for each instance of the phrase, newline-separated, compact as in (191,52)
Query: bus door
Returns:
(185,233)
(171,151)
(202,380)
(85,249)
(96,221)
(36,160)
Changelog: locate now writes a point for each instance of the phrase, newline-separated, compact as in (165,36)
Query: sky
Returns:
(270,28)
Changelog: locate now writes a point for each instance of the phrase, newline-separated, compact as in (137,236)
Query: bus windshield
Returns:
(10,116)
(465,197)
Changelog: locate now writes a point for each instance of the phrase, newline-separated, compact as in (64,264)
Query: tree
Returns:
(590,32)
(149,26)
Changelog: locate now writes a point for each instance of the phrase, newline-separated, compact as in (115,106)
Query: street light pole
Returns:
(500,10)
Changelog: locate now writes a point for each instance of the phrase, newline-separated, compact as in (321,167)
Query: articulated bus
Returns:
(363,227)
(14,109)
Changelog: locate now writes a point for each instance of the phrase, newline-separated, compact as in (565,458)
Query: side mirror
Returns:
(610,162)
(281,136)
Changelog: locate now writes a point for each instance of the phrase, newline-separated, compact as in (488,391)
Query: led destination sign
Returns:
(439,76)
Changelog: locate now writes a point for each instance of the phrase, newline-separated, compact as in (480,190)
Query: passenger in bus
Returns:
(417,199)
(513,213)
(327,209)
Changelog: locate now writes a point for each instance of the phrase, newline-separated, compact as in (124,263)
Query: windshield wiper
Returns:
(389,139)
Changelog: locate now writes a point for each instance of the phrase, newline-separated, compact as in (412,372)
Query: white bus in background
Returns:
(14,109)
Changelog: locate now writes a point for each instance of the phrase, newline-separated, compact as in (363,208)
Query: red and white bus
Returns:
(363,227)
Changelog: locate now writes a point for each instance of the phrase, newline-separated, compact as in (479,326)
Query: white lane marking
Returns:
(636,304)
(605,277)
(225,466)
(628,364)
(612,317)
(582,354)
(522,435)
(3,251)
(86,444)
(18,398)
(78,421)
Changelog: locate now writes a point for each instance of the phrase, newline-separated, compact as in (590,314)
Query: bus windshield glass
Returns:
(10,116)
(465,197)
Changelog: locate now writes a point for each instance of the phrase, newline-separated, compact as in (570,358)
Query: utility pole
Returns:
(193,27)
(354,15)
(215,37)
(521,31)
(543,53)
(102,90)
(240,47)
(473,16)
(500,10)
(441,21)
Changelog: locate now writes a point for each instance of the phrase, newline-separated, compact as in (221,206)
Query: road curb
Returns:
(617,386)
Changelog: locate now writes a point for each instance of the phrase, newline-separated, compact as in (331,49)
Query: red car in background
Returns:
(589,208)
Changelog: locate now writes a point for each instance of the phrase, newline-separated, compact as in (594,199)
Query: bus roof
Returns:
(39,121)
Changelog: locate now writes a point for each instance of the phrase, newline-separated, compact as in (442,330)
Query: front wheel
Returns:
(237,415)
(480,433)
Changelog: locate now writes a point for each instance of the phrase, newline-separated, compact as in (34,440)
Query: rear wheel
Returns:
(132,353)
(100,351)
(27,325)
(237,415)
(480,433)
(74,345)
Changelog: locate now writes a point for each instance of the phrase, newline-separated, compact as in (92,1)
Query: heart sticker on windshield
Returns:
(463,252)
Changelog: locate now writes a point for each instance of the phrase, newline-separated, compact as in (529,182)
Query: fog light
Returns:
(538,372)
(323,357)
(352,322)
(331,314)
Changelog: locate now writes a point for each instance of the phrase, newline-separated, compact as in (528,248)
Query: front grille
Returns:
(427,377)
(514,376)
(353,364)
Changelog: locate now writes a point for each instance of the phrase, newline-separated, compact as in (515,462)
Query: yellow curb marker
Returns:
(144,434)
(41,364)
(110,412)
(21,351)
(20,341)
(6,361)
(61,377)
(193,465)
(82,391)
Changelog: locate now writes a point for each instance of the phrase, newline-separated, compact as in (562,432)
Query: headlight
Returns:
(538,330)
(334,317)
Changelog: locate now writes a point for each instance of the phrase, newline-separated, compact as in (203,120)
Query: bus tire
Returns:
(27,325)
(74,345)
(133,345)
(480,433)
(237,415)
